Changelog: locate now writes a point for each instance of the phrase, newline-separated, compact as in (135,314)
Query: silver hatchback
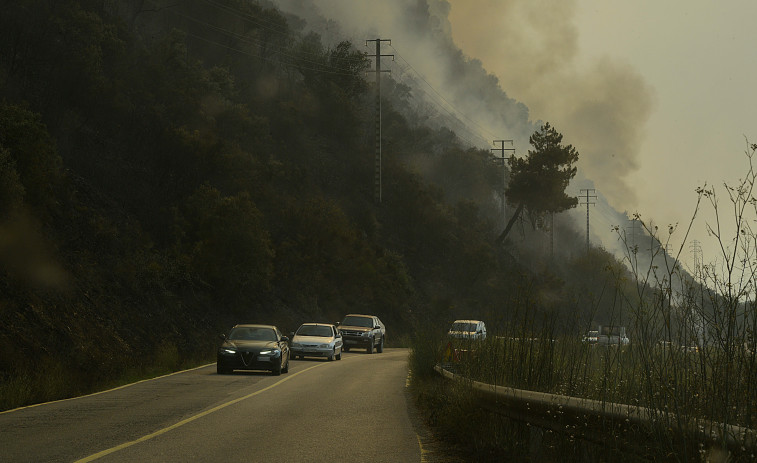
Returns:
(317,340)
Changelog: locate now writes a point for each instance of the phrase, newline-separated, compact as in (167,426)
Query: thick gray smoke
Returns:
(426,58)
(480,54)
(507,65)
(532,47)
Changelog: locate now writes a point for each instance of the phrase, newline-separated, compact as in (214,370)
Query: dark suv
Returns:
(364,331)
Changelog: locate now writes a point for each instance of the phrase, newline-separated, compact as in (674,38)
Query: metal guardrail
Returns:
(594,420)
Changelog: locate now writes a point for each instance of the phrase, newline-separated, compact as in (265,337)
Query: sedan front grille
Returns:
(248,357)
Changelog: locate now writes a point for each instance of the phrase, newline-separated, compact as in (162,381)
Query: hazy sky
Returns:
(678,74)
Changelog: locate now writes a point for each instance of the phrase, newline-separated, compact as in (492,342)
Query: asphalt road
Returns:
(355,409)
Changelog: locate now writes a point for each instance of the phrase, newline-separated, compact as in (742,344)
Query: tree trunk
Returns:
(510,224)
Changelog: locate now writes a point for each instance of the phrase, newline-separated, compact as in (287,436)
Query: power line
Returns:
(263,58)
(295,60)
(285,58)
(634,223)
(417,73)
(277,29)
(454,120)
(440,95)
(315,65)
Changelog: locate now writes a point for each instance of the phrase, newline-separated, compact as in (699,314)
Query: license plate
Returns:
(263,358)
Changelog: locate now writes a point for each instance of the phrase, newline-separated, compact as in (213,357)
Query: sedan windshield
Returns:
(358,321)
(315,330)
(246,333)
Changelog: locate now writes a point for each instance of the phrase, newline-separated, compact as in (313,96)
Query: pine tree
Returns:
(538,181)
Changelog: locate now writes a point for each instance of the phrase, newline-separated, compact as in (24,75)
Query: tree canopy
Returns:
(538,181)
(168,172)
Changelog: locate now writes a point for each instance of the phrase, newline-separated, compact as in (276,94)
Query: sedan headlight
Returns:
(366,334)
(274,352)
(226,351)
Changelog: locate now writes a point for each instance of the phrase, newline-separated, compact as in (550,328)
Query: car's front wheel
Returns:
(380,347)
(339,355)
(222,370)
(370,347)
(276,371)
(286,367)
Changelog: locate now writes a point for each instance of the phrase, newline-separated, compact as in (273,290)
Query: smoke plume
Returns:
(601,107)
(508,64)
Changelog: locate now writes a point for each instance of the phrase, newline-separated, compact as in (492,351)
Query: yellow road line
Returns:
(423,451)
(190,419)
(107,390)
(408,380)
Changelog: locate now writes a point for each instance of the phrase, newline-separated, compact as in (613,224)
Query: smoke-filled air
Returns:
(477,203)
(506,69)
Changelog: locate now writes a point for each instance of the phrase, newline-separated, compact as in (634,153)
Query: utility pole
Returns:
(696,249)
(377,192)
(502,150)
(588,203)
(552,234)
(634,221)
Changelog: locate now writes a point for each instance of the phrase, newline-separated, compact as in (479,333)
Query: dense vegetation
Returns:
(162,179)
(690,364)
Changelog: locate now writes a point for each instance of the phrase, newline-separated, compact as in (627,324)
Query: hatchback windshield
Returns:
(358,321)
(247,333)
(461,326)
(315,330)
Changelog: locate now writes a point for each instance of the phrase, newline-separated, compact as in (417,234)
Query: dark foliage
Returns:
(170,169)
(539,180)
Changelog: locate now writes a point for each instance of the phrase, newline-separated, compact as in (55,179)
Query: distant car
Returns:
(613,340)
(670,346)
(592,337)
(253,347)
(468,329)
(317,340)
(364,331)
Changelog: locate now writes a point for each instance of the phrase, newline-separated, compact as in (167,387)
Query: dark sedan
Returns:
(253,347)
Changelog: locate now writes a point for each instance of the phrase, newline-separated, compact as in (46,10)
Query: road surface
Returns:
(354,409)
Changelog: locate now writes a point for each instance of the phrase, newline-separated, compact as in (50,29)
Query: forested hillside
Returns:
(161,181)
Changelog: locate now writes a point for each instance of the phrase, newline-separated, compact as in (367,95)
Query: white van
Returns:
(468,329)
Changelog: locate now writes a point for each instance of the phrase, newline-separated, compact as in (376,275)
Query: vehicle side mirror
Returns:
(222,336)
(376,327)
(284,339)
(337,323)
